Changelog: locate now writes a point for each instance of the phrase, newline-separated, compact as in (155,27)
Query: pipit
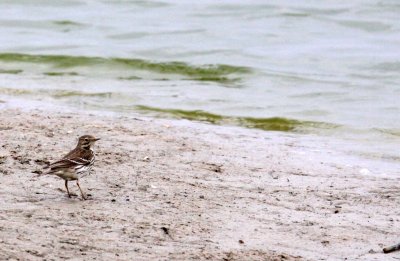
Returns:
(76,164)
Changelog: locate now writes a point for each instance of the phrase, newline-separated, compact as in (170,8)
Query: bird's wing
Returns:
(67,163)
(71,160)
(74,158)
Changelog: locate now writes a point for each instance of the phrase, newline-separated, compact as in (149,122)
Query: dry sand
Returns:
(174,190)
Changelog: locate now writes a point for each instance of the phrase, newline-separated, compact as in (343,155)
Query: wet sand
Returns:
(174,190)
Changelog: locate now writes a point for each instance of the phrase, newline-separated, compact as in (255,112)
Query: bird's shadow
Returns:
(56,197)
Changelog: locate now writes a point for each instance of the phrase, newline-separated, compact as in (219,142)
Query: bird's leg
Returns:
(83,196)
(66,186)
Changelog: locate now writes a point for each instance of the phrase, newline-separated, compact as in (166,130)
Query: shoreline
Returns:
(377,154)
(221,192)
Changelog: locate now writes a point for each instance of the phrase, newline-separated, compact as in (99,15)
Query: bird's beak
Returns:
(96,139)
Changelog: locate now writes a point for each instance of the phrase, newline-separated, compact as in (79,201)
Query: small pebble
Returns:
(202,197)
(365,171)
(113,200)
(49,134)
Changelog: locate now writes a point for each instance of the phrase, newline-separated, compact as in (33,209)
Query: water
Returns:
(327,68)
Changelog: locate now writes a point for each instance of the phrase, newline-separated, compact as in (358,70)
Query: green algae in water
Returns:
(215,73)
(183,114)
(220,79)
(54,93)
(67,23)
(391,132)
(11,71)
(130,78)
(61,73)
(268,124)
(12,91)
(274,123)
(65,94)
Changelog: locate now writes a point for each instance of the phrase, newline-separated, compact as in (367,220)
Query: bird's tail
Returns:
(44,171)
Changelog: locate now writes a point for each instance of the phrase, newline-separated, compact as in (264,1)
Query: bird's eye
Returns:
(86,139)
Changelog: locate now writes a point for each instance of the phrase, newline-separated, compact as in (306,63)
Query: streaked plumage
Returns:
(76,164)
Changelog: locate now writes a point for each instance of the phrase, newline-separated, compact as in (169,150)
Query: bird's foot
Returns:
(87,196)
(70,195)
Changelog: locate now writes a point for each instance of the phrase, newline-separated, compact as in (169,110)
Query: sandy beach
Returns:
(176,190)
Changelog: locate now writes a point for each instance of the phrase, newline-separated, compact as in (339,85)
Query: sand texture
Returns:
(174,190)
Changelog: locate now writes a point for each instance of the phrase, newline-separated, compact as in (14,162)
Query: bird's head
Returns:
(86,141)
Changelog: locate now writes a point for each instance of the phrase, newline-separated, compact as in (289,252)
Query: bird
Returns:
(76,164)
